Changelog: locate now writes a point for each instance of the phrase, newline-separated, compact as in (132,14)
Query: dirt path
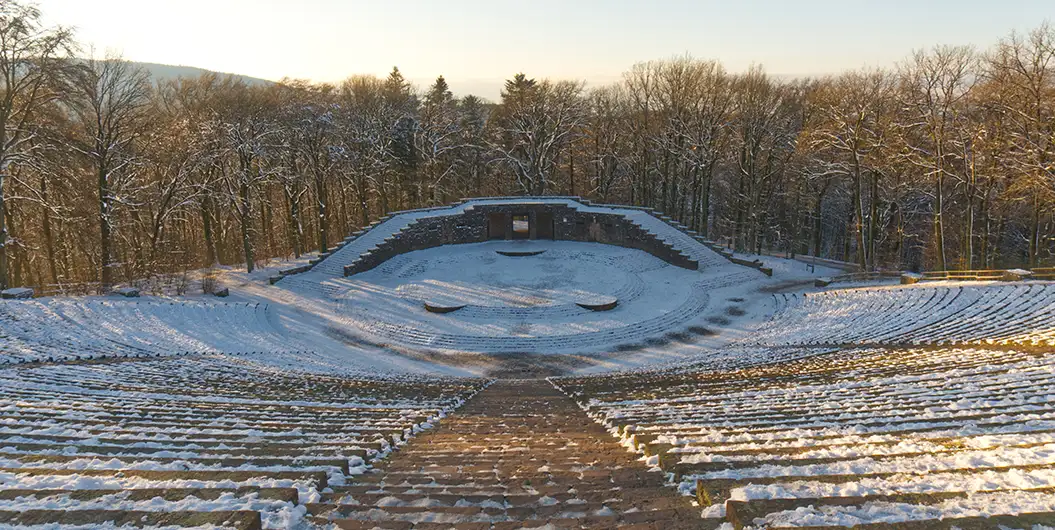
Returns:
(518,455)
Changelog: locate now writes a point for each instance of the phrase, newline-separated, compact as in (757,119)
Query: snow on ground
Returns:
(529,303)
(1020,313)
(321,321)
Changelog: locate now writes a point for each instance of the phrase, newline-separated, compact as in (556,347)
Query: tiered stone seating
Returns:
(927,437)
(677,236)
(519,455)
(1011,315)
(57,329)
(195,441)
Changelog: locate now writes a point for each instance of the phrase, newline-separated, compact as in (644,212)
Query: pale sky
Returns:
(476,44)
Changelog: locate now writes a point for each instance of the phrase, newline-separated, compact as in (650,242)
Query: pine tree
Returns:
(439,93)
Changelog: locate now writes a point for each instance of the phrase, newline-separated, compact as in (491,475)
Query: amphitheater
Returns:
(533,363)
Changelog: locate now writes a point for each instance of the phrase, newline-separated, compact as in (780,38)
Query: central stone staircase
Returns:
(519,455)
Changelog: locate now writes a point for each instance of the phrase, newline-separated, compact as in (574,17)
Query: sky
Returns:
(476,44)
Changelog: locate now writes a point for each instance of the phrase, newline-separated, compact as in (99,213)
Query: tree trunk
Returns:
(847,237)
(987,226)
(939,226)
(1034,232)
(998,234)
(384,197)
(105,231)
(16,261)
(859,215)
(873,223)
(818,219)
(246,217)
(705,206)
(968,236)
(211,256)
(49,238)
(364,206)
(293,202)
(267,224)
(320,201)
(3,228)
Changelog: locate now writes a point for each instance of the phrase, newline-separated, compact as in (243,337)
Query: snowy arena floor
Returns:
(528,303)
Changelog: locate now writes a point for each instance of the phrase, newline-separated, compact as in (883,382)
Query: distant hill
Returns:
(163,72)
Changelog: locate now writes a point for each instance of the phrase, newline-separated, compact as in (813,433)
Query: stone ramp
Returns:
(519,455)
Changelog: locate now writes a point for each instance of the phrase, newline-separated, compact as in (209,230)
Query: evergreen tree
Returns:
(439,94)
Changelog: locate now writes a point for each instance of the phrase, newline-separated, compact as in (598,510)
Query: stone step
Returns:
(146,494)
(235,520)
(316,477)
(514,456)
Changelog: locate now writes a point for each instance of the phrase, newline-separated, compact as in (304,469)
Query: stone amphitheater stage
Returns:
(540,297)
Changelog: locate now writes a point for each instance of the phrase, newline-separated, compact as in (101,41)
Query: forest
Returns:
(945,161)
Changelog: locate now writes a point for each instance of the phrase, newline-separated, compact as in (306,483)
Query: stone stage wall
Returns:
(495,221)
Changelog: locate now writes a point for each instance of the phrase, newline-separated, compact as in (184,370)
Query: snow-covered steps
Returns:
(1010,315)
(974,509)
(864,436)
(518,455)
(60,329)
(197,441)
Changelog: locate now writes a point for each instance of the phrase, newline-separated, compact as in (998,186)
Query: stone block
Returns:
(600,304)
(909,278)
(16,293)
(1016,275)
(222,293)
(127,292)
(442,307)
(822,282)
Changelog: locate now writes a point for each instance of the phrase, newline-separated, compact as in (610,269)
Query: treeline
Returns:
(106,176)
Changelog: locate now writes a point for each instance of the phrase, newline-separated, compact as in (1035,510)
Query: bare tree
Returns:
(111,95)
(934,85)
(250,135)
(32,65)
(1023,67)
(536,122)
(854,117)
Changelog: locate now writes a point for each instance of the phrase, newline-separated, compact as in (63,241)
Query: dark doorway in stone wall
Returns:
(496,226)
(544,225)
(521,226)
